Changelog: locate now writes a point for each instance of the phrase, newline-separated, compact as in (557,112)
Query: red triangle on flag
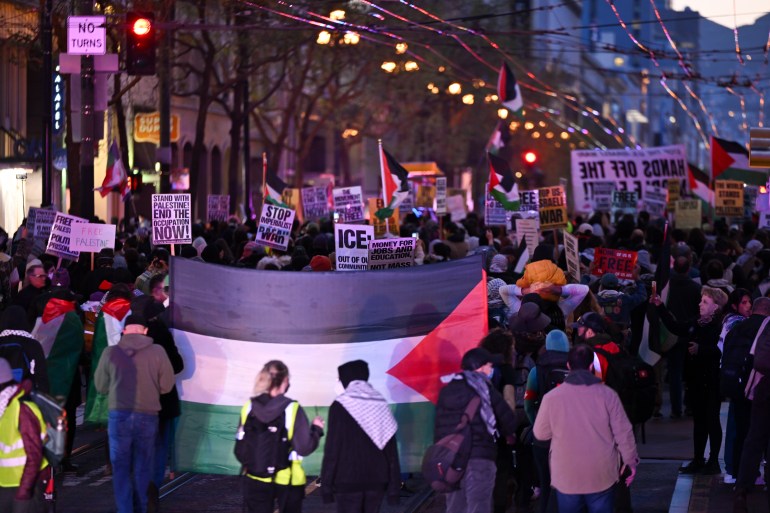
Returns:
(441,351)
(721,161)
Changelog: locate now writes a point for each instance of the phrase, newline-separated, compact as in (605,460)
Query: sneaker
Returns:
(693,467)
(710,469)
(729,479)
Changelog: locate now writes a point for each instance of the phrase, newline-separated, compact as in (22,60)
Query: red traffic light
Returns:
(530,157)
(141,26)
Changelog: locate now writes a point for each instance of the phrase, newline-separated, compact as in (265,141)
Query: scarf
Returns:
(16,333)
(480,383)
(370,410)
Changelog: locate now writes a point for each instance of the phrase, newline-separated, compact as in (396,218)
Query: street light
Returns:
(455,88)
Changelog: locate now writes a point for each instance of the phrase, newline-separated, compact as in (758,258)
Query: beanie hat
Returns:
(320,263)
(357,370)
(609,281)
(60,278)
(136,319)
(5,371)
(557,340)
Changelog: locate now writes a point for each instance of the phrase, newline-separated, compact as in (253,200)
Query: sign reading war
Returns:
(274,228)
(619,262)
(171,219)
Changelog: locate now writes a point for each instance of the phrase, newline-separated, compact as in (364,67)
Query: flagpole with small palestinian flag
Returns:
(395,185)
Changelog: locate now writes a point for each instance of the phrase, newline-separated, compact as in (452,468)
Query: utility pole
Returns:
(164,106)
(47,41)
(87,126)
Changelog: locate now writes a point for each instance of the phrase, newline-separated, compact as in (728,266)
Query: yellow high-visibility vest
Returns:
(13,457)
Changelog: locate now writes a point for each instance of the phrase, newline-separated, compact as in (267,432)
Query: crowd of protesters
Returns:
(549,330)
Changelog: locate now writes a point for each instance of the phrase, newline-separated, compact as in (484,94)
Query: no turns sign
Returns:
(86,35)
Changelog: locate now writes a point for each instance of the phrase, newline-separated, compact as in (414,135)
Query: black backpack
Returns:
(551,371)
(17,359)
(263,448)
(444,462)
(634,381)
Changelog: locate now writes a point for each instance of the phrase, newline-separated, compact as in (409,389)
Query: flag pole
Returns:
(264,176)
(382,182)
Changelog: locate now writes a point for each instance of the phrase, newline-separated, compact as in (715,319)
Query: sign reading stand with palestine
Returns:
(217,207)
(92,237)
(352,246)
(274,228)
(553,207)
(61,232)
(171,219)
(349,204)
(617,261)
(391,253)
(729,198)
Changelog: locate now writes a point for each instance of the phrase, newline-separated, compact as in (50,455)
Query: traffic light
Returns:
(140,43)
(530,157)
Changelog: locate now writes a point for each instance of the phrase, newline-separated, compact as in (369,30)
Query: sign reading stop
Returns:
(86,35)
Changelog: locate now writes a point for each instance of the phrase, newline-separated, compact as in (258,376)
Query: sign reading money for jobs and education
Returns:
(351,243)
(687,214)
(630,170)
(217,207)
(729,198)
(61,232)
(348,204)
(274,228)
(617,261)
(171,222)
(553,207)
(391,253)
(624,202)
(92,237)
(315,203)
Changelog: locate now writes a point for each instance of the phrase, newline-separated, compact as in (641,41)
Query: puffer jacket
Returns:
(542,271)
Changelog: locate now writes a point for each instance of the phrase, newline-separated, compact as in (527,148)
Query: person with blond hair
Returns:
(269,402)
(704,356)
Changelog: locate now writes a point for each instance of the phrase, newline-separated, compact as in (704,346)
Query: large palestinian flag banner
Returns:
(411,325)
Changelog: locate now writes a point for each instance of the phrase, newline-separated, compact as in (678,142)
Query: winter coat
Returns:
(703,367)
(542,271)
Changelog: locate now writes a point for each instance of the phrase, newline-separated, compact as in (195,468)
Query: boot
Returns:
(711,468)
(693,467)
(739,501)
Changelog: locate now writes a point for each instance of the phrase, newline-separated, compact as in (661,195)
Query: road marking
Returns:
(76,480)
(101,481)
(680,499)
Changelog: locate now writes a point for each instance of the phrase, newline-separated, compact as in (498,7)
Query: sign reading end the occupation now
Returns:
(171,219)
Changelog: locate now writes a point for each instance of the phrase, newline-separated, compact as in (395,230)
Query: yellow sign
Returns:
(553,207)
(729,198)
(147,127)
(687,214)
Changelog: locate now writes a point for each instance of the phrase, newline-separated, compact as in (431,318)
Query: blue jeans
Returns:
(599,502)
(164,443)
(475,493)
(132,445)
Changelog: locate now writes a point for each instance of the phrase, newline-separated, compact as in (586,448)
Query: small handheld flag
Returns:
(395,184)
(508,90)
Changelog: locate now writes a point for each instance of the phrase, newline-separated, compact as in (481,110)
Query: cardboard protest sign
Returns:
(381,226)
(440,195)
(495,213)
(602,196)
(624,202)
(687,214)
(171,215)
(43,222)
(391,253)
(217,207)
(655,201)
(456,207)
(348,204)
(674,193)
(729,198)
(351,243)
(59,239)
(529,200)
(573,255)
(315,203)
(631,170)
(274,228)
(92,237)
(553,207)
(528,229)
(620,262)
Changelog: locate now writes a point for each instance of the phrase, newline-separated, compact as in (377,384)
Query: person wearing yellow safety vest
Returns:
(23,468)
(287,486)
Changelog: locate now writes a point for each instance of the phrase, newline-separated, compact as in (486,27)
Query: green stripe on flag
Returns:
(206,437)
(750,177)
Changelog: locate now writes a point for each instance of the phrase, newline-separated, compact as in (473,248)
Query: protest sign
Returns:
(43,221)
(274,228)
(729,198)
(407,205)
(631,170)
(495,213)
(750,195)
(687,214)
(528,229)
(391,253)
(381,226)
(218,207)
(315,203)
(624,202)
(91,237)
(528,200)
(351,243)
(441,195)
(674,193)
(348,204)
(59,239)
(655,200)
(762,203)
(553,207)
(573,255)
(764,220)
(602,196)
(620,262)
(171,219)
(456,207)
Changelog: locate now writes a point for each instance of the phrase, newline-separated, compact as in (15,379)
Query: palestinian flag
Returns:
(730,161)
(395,184)
(508,90)
(499,138)
(107,332)
(116,176)
(700,185)
(60,332)
(502,185)
(274,188)
(314,322)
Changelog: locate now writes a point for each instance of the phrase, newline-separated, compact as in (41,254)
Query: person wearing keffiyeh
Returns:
(493,420)
(360,463)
